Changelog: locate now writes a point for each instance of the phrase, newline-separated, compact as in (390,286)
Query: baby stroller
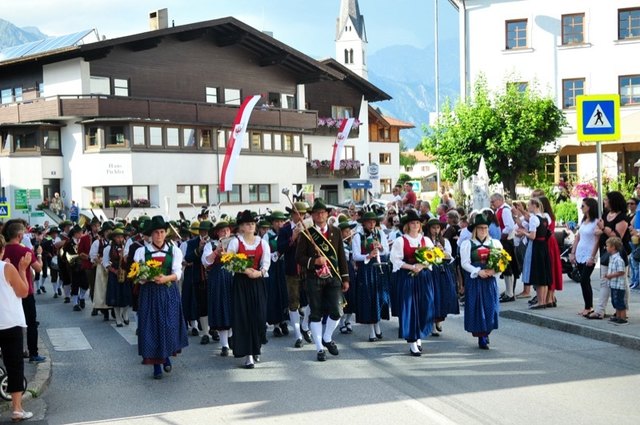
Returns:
(565,238)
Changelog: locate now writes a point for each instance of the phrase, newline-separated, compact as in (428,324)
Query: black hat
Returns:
(319,205)
(205,225)
(107,225)
(156,222)
(478,220)
(245,217)
(433,222)
(54,229)
(411,215)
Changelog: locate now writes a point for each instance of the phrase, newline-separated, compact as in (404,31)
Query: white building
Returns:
(565,49)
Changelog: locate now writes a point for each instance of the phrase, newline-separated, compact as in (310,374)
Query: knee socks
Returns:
(329,328)
(67,290)
(204,323)
(82,293)
(224,338)
(294,318)
(305,320)
(316,332)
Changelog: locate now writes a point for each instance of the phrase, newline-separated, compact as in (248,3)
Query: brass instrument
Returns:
(122,269)
(83,220)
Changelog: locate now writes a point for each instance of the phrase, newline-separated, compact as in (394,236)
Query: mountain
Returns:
(407,74)
(10,35)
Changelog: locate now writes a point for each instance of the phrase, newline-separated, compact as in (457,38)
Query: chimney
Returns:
(159,19)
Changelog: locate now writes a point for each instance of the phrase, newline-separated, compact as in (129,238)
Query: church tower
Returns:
(351,38)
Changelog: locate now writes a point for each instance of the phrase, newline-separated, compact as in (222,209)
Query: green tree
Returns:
(407,160)
(508,129)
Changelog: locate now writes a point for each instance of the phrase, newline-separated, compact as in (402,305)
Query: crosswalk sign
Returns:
(598,117)
(5,211)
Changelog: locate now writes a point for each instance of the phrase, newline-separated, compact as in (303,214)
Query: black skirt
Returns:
(249,315)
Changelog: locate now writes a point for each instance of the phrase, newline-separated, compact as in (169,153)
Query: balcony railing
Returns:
(59,107)
(326,172)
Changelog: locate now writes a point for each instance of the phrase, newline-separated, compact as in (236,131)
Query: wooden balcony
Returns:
(94,106)
(326,172)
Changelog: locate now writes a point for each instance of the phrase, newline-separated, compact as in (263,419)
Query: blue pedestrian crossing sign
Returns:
(5,210)
(598,117)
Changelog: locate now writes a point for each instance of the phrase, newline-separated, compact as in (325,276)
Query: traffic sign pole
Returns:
(599,168)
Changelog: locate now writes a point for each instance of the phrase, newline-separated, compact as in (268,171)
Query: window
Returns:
(296,143)
(205,138)
(288,142)
(629,90)
(385,185)
(573,29)
(307,151)
(189,137)
(51,140)
(25,139)
(628,23)
(17,94)
(211,94)
(383,134)
(40,90)
(520,86)
(117,193)
(231,197)
(346,56)
(192,195)
(350,55)
(549,163)
(349,152)
(93,137)
(570,89)
(385,158)
(569,166)
(259,193)
(267,143)
(277,142)
(232,97)
(256,142)
(288,101)
(155,136)
(115,136)
(99,85)
(516,34)
(120,87)
(138,135)
(173,137)
(139,193)
(341,111)
(7,96)
(222,139)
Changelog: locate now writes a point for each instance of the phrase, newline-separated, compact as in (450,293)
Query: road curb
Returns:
(586,331)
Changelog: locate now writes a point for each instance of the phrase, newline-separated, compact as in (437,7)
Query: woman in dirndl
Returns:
(219,284)
(481,305)
(119,289)
(249,292)
(161,329)
(445,296)
(371,253)
(346,230)
(414,284)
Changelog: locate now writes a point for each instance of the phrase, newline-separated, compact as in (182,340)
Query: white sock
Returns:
(372,331)
(204,322)
(118,313)
(347,318)
(376,328)
(194,324)
(230,332)
(67,290)
(508,286)
(125,313)
(82,293)
(413,346)
(224,338)
(305,321)
(329,328)
(316,333)
(55,286)
(75,299)
(36,283)
(294,318)
(419,343)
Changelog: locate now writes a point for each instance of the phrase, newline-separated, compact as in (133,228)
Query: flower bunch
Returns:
(236,263)
(141,203)
(330,122)
(350,164)
(585,190)
(145,271)
(429,256)
(498,260)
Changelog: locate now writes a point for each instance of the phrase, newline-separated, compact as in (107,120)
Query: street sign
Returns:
(598,117)
(374,171)
(21,202)
(34,193)
(36,214)
(5,210)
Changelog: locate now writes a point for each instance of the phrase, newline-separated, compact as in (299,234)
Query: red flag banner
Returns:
(341,138)
(236,138)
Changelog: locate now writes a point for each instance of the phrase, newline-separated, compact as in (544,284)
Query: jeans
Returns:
(634,270)
(585,284)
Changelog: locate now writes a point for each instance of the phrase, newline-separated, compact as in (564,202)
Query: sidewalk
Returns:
(565,318)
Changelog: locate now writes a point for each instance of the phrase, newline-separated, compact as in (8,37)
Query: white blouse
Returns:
(465,255)
(176,265)
(356,248)
(588,239)
(397,249)
(265,260)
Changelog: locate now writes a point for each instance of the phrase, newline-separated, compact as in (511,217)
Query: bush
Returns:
(566,212)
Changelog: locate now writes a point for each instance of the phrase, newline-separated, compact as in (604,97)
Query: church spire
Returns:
(351,38)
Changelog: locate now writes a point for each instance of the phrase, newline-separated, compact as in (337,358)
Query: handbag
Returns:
(604,259)
(575,274)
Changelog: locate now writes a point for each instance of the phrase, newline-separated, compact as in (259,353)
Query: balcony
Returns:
(324,171)
(92,106)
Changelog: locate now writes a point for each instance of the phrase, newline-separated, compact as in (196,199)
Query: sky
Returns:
(307,25)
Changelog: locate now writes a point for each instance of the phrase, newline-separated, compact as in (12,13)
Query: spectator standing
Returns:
(74,212)
(57,205)
(409,200)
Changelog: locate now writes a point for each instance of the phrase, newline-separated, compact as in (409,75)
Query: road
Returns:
(531,375)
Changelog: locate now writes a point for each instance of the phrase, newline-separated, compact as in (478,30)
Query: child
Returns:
(616,280)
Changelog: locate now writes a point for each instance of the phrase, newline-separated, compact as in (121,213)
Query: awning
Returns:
(357,184)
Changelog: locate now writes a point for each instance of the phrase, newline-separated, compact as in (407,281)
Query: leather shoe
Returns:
(204,340)
(306,335)
(249,366)
(76,308)
(322,356)
(284,328)
(298,343)
(215,335)
(277,332)
(379,336)
(194,332)
(415,353)
(483,344)
(119,325)
(373,339)
(256,358)
(224,352)
(331,347)
(507,299)
(67,300)
(82,304)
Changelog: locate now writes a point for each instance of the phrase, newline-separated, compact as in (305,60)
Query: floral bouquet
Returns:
(498,260)
(236,263)
(585,190)
(429,256)
(145,271)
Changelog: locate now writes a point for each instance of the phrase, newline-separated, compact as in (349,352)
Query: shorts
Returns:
(618,299)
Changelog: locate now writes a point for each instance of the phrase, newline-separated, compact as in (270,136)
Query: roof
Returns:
(420,156)
(388,121)
(351,9)
(222,32)
(46,45)
(371,92)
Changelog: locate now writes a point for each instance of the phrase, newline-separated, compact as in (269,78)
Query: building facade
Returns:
(563,49)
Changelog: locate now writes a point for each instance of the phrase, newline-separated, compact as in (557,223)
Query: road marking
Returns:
(68,339)
(128,332)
